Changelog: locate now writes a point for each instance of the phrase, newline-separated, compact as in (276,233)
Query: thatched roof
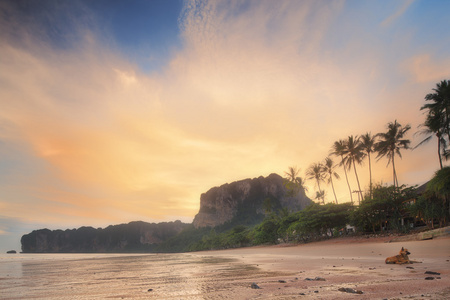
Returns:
(421,189)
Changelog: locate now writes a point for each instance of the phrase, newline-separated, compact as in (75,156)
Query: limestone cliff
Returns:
(131,237)
(246,199)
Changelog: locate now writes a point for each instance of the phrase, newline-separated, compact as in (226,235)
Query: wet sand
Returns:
(124,276)
(279,271)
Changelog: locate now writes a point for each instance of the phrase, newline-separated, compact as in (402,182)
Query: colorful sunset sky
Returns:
(116,111)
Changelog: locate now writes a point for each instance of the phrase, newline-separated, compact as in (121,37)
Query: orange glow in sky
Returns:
(96,132)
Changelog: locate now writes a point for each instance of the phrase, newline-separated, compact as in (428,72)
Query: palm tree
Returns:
(294,183)
(338,149)
(434,125)
(353,154)
(440,104)
(292,173)
(315,171)
(320,195)
(390,144)
(367,145)
(329,170)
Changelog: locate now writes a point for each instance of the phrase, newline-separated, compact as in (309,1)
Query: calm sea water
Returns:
(123,276)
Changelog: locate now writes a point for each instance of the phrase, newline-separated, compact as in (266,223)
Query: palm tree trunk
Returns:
(346,178)
(370,176)
(439,150)
(394,173)
(332,186)
(359,187)
(447,123)
(320,191)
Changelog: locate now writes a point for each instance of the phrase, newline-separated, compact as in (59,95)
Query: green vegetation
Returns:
(387,209)
(434,203)
(315,222)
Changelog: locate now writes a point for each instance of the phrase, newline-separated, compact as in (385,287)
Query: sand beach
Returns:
(316,270)
(349,264)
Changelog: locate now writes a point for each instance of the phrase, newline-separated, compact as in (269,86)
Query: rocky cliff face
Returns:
(246,199)
(131,237)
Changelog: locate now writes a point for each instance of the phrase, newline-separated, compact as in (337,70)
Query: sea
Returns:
(123,276)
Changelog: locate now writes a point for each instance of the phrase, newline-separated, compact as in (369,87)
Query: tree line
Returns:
(353,150)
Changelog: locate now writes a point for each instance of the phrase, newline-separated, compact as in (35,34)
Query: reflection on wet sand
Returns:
(155,276)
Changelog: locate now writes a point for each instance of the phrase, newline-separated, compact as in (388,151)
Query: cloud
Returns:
(253,90)
(397,14)
(425,68)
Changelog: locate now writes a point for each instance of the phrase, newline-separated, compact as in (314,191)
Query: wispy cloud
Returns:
(397,14)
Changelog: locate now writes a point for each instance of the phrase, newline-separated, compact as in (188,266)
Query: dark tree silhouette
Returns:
(390,143)
(338,149)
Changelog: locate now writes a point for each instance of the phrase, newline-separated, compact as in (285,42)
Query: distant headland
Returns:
(241,203)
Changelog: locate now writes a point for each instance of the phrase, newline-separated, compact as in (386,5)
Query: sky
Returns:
(116,111)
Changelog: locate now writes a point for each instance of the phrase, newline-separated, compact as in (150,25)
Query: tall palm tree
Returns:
(434,125)
(294,183)
(315,171)
(329,170)
(390,144)
(338,149)
(353,154)
(367,145)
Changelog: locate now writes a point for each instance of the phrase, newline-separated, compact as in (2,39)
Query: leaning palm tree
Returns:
(367,145)
(353,154)
(315,171)
(330,172)
(294,183)
(390,144)
(338,149)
